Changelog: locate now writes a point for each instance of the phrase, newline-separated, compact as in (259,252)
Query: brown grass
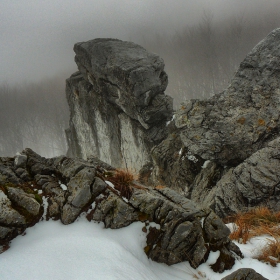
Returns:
(270,253)
(122,180)
(256,222)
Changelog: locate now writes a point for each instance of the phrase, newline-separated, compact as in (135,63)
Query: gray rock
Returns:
(23,199)
(205,180)
(184,231)
(244,274)
(5,231)
(172,166)
(8,215)
(78,194)
(7,174)
(250,184)
(20,161)
(126,68)
(118,109)
(232,125)
(114,212)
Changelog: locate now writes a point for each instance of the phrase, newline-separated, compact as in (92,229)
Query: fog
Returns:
(201,41)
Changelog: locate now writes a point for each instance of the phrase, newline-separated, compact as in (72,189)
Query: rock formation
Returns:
(210,151)
(232,125)
(118,109)
(177,229)
(224,151)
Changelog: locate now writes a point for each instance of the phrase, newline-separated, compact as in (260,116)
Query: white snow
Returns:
(205,164)
(86,250)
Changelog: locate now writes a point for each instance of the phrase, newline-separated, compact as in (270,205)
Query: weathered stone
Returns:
(78,194)
(23,199)
(8,175)
(9,216)
(182,228)
(183,231)
(117,107)
(69,214)
(23,174)
(249,184)
(5,231)
(114,212)
(37,164)
(98,187)
(232,125)
(171,157)
(244,274)
(20,161)
(205,180)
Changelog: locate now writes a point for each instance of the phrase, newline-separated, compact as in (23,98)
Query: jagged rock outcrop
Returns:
(119,114)
(20,204)
(232,125)
(223,148)
(254,182)
(177,229)
(118,109)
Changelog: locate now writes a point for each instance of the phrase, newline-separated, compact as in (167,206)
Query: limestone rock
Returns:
(8,215)
(177,229)
(114,212)
(23,199)
(249,184)
(118,109)
(244,274)
(172,165)
(232,125)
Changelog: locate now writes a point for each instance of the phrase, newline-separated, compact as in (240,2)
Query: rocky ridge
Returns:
(177,230)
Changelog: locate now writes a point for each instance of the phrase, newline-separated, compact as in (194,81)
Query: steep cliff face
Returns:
(117,103)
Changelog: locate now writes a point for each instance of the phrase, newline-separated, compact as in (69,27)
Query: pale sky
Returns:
(37,36)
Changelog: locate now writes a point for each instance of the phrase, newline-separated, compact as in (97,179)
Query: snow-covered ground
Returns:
(86,250)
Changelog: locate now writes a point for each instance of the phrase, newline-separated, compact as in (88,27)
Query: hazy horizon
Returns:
(37,37)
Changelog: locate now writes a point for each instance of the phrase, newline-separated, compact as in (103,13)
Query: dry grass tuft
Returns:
(258,221)
(270,253)
(122,180)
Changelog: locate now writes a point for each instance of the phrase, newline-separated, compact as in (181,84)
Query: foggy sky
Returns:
(37,37)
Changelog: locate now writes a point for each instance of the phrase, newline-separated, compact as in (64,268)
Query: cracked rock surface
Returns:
(177,230)
(118,109)
(234,124)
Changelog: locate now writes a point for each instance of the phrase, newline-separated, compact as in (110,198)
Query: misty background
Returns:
(202,43)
